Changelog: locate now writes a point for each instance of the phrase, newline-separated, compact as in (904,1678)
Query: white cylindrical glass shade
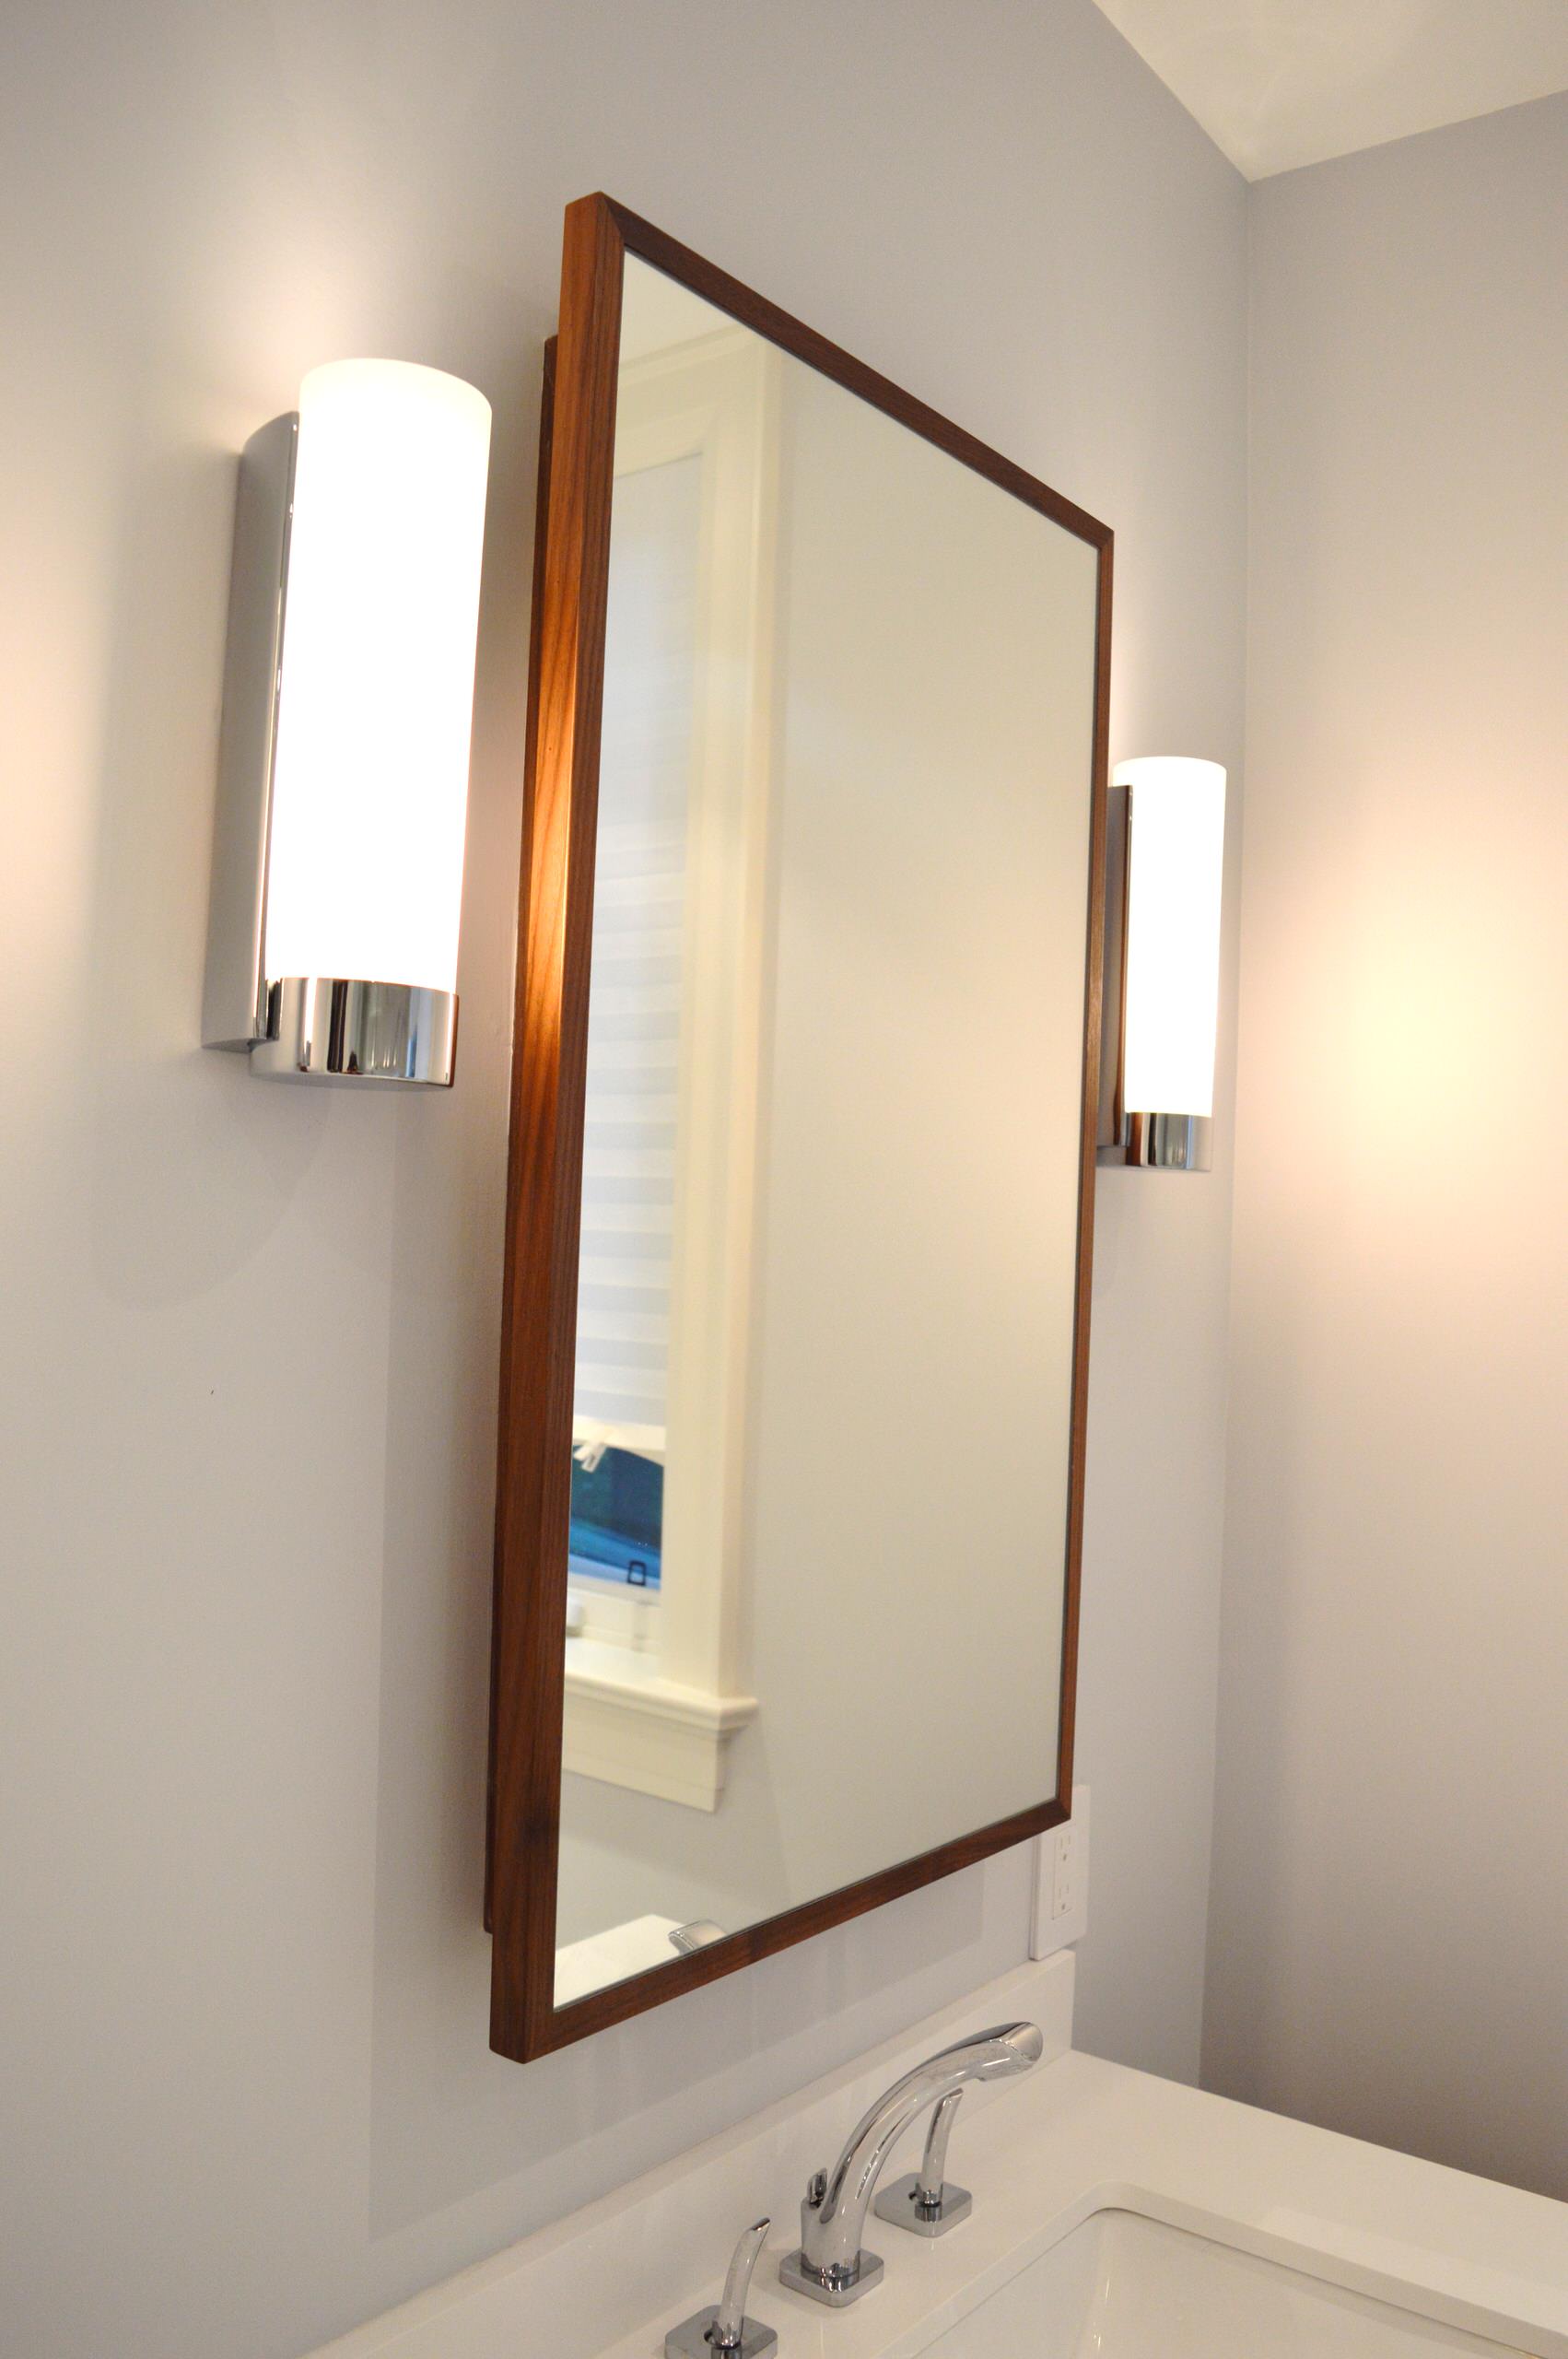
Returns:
(375,690)
(1176,864)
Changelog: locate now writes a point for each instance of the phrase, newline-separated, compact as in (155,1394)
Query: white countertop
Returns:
(1077,2135)
(1083,2135)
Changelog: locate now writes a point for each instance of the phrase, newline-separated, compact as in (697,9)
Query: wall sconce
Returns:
(1165,842)
(348,705)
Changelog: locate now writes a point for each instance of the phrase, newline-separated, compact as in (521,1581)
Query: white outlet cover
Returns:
(1048,1932)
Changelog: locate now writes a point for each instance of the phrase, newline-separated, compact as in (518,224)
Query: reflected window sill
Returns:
(627,1725)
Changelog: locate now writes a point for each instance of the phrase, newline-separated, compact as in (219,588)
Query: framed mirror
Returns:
(802,1149)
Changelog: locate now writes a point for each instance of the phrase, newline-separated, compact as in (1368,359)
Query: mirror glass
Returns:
(832,1145)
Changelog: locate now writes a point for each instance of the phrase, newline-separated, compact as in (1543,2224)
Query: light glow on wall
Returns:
(375,704)
(1176,861)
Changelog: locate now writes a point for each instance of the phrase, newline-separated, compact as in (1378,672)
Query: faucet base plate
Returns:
(693,2339)
(899,2206)
(793,2273)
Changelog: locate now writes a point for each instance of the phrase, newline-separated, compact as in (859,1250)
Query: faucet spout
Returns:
(832,2216)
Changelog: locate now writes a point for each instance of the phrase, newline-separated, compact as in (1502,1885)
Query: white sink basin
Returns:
(1124,2287)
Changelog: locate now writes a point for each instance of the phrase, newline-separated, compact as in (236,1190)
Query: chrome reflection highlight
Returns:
(322,1027)
(1168,1142)
(724,2328)
(830,2264)
(926,2202)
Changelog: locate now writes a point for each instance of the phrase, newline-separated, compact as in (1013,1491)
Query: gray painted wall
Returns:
(1390,1914)
(248,1385)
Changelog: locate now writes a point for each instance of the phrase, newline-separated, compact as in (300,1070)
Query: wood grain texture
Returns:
(543,1183)
(514,1132)
(1094,998)
(539,1312)
(716,286)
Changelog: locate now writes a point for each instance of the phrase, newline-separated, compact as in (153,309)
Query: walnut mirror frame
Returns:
(544,1182)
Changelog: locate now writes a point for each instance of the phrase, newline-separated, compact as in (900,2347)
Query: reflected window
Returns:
(634,1029)
(617,1516)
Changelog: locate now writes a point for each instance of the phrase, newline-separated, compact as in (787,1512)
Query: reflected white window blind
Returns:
(634,1008)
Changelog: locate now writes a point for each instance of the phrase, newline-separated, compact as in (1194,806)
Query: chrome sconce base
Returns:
(321,1027)
(1165,1142)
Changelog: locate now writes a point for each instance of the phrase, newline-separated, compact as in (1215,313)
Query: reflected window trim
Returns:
(612,1615)
(654,1680)
(625,1724)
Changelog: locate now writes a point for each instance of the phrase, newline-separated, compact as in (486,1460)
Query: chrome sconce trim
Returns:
(322,1027)
(234,1006)
(1140,1141)
(344,754)
(1168,1142)
(301,1027)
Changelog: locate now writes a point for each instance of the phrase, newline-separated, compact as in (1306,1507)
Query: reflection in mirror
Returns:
(831,1165)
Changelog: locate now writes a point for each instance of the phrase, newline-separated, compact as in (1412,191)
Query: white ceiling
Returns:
(1278,83)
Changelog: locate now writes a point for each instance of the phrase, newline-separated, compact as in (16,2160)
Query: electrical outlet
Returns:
(1064,1872)
(1061,1881)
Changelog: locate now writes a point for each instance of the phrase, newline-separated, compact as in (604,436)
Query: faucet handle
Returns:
(810,2203)
(925,2202)
(723,2327)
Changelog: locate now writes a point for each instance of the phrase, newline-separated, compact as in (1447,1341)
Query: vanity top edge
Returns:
(692,2194)
(1077,2136)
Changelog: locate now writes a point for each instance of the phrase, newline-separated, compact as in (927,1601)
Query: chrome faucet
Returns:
(724,2328)
(831,2265)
